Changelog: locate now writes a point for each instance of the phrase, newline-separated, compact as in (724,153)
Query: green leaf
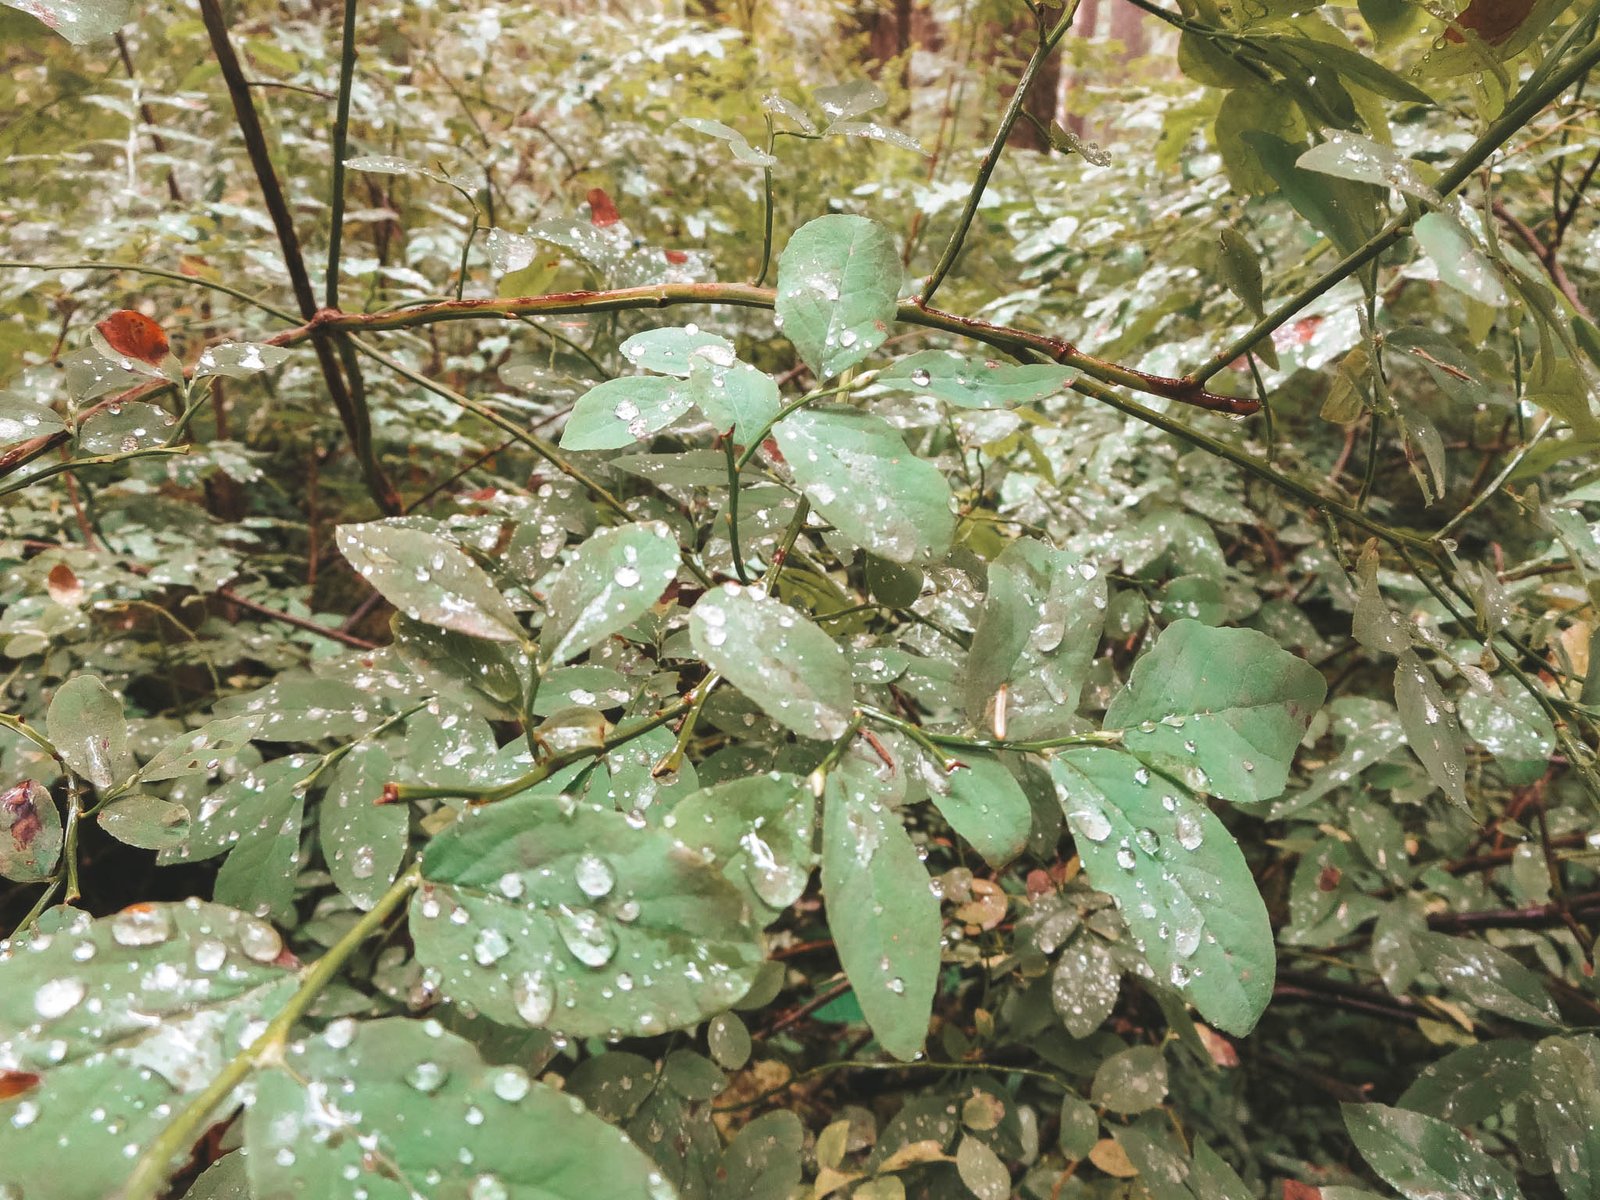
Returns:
(1038,632)
(882,913)
(202,751)
(1350,156)
(1345,211)
(794,671)
(239,360)
(86,725)
(22,418)
(760,829)
(1179,879)
(981,1170)
(1472,1083)
(1132,1081)
(148,822)
(79,21)
(549,912)
(612,580)
(255,820)
(1566,1103)
(1425,1159)
(360,1107)
(1241,268)
(128,1017)
(733,395)
(1489,978)
(763,1160)
(1432,730)
(30,833)
(984,804)
(743,151)
(1458,260)
(1221,708)
(620,412)
(1085,984)
(838,291)
(974,383)
(855,469)
(1509,724)
(429,579)
(363,840)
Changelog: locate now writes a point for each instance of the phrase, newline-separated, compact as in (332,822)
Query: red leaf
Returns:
(1328,879)
(601,211)
(21,813)
(15,1083)
(135,335)
(1492,20)
(1293,1189)
(676,257)
(63,585)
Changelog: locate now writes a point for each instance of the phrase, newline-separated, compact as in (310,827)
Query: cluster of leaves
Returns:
(870,750)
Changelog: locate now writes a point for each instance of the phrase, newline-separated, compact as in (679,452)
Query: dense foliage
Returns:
(607,602)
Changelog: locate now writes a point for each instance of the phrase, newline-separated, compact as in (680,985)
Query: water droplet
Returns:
(1091,824)
(57,997)
(210,954)
(511,1084)
(594,876)
(1190,832)
(534,996)
(921,377)
(587,935)
(141,925)
(427,1077)
(489,947)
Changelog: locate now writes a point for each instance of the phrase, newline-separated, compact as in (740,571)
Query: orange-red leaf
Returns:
(601,211)
(1492,20)
(16,1083)
(135,335)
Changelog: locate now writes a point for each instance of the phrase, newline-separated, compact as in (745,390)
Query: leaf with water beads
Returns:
(1425,1159)
(86,725)
(838,291)
(402,1107)
(30,833)
(974,383)
(1566,1074)
(984,804)
(123,1019)
(611,581)
(1180,880)
(777,657)
(79,21)
(1432,729)
(760,830)
(429,578)
(1222,709)
(856,470)
(556,913)
(882,913)
(363,840)
(620,412)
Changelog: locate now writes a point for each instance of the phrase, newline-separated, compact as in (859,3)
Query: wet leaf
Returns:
(1084,985)
(148,822)
(1459,261)
(974,383)
(363,840)
(79,21)
(1566,1102)
(611,581)
(361,1106)
(30,833)
(429,579)
(1489,978)
(549,912)
(1432,731)
(838,288)
(238,360)
(86,725)
(984,804)
(882,914)
(759,830)
(855,469)
(129,1017)
(789,666)
(981,1170)
(1241,269)
(620,412)
(1179,879)
(1222,709)
(743,151)
(1425,1159)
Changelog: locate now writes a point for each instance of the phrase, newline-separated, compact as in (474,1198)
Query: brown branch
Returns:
(1564,219)
(148,116)
(1546,255)
(352,411)
(1534,916)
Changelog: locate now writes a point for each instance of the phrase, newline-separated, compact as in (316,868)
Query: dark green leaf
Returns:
(429,579)
(1425,1159)
(86,725)
(611,581)
(984,804)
